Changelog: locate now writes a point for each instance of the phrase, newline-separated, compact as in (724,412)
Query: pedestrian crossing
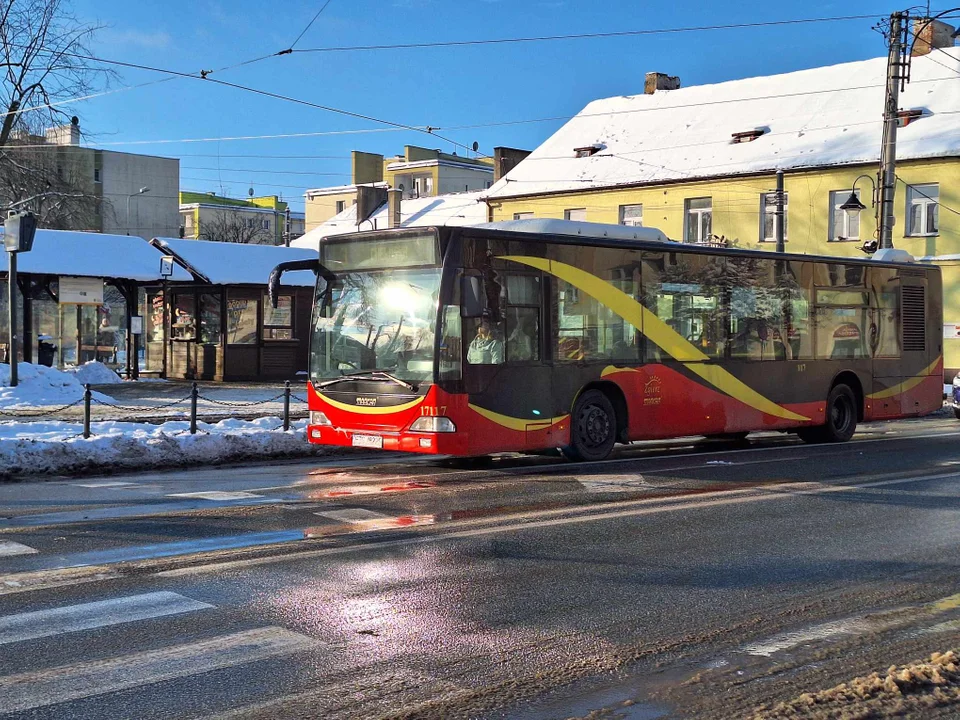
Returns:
(77,679)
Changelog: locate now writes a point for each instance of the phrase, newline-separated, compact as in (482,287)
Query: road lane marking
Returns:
(85,679)
(529,521)
(104,484)
(9,547)
(220,495)
(88,616)
(600,483)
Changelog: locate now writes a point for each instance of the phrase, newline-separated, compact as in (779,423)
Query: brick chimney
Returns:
(931,35)
(393,208)
(660,81)
(369,198)
(506,159)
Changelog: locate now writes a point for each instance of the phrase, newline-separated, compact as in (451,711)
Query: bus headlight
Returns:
(433,424)
(319,418)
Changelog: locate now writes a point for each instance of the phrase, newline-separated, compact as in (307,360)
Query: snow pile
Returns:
(95,373)
(57,447)
(911,690)
(40,385)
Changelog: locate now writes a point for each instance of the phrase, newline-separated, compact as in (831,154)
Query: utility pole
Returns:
(781,245)
(898,73)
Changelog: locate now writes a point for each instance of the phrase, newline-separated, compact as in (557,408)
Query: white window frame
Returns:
(766,209)
(340,206)
(523,216)
(837,198)
(927,198)
(577,214)
(696,214)
(632,221)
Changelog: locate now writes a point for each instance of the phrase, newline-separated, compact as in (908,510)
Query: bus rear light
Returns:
(319,418)
(433,424)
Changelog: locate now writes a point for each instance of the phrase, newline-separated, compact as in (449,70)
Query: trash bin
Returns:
(45,350)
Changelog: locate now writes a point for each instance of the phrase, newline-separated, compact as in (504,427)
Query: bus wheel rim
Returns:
(594,426)
(840,414)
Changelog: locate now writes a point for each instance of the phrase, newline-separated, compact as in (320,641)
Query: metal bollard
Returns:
(193,409)
(286,405)
(86,411)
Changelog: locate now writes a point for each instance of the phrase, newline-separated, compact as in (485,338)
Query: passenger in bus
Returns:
(521,340)
(486,348)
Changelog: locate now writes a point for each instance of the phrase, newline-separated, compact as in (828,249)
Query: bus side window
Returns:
(522,305)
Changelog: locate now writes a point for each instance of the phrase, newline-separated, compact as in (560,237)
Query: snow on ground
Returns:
(918,689)
(95,373)
(40,385)
(57,447)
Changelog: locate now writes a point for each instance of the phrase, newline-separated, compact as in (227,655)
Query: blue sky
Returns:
(444,87)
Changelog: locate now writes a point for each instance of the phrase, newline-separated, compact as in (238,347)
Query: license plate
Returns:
(368,441)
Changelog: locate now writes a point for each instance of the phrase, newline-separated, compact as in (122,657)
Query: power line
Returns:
(309,24)
(923,194)
(271,172)
(581,36)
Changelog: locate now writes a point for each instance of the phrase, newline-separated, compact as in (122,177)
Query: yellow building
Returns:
(700,164)
(419,172)
(265,220)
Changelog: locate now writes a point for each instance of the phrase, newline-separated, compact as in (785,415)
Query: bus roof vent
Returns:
(576,228)
(914,318)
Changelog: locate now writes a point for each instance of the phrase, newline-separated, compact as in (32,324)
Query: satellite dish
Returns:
(476,146)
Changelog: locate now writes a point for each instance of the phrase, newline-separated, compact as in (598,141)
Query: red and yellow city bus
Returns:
(533,335)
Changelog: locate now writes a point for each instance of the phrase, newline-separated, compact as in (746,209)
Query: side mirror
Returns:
(472,297)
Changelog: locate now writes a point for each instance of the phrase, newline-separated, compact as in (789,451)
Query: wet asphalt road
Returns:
(687,579)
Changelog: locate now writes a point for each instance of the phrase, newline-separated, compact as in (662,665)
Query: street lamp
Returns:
(141,191)
(852,206)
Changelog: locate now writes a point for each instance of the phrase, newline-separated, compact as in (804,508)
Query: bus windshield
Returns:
(383,320)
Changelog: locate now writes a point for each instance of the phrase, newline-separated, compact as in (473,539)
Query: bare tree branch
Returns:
(233,227)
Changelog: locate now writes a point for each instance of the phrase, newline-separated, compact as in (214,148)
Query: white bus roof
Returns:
(576,228)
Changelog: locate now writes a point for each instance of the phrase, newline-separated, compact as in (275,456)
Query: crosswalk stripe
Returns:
(104,484)
(352,515)
(217,495)
(87,616)
(9,547)
(87,679)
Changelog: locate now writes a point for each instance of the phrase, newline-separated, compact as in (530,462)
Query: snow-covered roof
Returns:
(459,209)
(86,254)
(576,228)
(824,116)
(237,264)
(338,189)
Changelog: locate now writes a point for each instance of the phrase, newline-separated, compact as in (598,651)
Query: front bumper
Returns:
(454,443)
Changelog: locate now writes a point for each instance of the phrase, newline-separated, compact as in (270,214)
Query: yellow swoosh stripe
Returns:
(513,423)
(665,337)
(371,410)
(906,385)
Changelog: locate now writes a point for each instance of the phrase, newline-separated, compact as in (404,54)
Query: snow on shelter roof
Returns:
(823,116)
(238,264)
(456,209)
(87,254)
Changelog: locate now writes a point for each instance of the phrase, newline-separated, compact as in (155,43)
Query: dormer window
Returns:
(587,151)
(747,135)
(905,117)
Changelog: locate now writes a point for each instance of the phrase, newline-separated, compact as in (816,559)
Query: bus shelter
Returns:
(221,325)
(81,294)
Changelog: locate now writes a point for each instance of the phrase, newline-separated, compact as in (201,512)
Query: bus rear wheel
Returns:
(593,428)
(841,419)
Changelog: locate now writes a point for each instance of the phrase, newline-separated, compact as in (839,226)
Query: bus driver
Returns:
(485,349)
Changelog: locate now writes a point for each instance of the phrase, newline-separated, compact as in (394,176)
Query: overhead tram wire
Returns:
(582,36)
(310,24)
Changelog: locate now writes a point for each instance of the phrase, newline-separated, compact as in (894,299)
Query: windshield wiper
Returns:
(369,375)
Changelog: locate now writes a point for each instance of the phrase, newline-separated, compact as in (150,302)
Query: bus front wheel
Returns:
(841,418)
(593,427)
